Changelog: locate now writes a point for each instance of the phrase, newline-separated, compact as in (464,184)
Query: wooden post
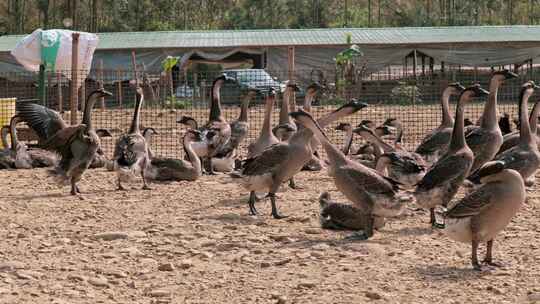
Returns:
(119,73)
(59,96)
(74,77)
(171,89)
(100,83)
(291,72)
(82,98)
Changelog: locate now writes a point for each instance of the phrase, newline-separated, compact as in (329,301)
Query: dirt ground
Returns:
(194,242)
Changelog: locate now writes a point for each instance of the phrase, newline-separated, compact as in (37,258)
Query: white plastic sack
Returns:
(28,51)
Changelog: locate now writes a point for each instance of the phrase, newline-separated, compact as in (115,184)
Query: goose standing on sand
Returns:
(512,139)
(405,167)
(266,137)
(217,131)
(486,211)
(280,162)
(442,181)
(486,139)
(524,157)
(131,150)
(436,142)
(371,192)
(77,144)
(286,127)
(170,169)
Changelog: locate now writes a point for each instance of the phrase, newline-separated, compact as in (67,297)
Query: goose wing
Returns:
(471,204)
(342,216)
(267,160)
(407,162)
(435,141)
(476,138)
(61,141)
(369,180)
(130,149)
(44,121)
(445,170)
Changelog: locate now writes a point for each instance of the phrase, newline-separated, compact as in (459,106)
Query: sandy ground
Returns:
(194,243)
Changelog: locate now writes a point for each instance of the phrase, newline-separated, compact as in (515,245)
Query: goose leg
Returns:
(489,255)
(74,189)
(211,167)
(432,217)
(293,185)
(145,186)
(120,187)
(474,255)
(275,213)
(251,202)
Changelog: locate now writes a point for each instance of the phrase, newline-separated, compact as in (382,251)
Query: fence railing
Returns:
(392,92)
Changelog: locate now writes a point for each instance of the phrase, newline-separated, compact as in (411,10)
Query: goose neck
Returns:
(447,120)
(215,106)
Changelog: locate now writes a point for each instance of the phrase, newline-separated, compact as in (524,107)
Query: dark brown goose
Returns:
(371,192)
(77,145)
(524,157)
(27,158)
(340,216)
(131,150)
(280,162)
(486,211)
(266,137)
(436,142)
(512,139)
(443,179)
(486,139)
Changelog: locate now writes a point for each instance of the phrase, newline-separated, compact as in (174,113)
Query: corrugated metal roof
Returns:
(299,37)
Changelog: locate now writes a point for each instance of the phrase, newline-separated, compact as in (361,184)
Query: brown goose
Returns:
(444,178)
(200,147)
(315,164)
(524,157)
(170,169)
(436,142)
(485,140)
(217,131)
(486,211)
(266,137)
(280,162)
(26,158)
(504,124)
(348,142)
(512,139)
(77,145)
(371,192)
(286,127)
(240,127)
(100,159)
(131,150)
(405,167)
(340,216)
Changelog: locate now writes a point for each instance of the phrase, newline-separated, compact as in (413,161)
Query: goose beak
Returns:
(510,75)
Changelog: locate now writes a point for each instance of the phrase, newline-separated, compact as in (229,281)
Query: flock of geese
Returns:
(379,179)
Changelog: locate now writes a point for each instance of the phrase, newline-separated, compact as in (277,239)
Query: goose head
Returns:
(188,121)
(368,123)
(455,88)
(149,132)
(467,122)
(384,130)
(529,87)
(353,106)
(104,93)
(313,88)
(343,126)
(193,135)
(293,86)
(364,131)
(474,91)
(103,133)
(500,76)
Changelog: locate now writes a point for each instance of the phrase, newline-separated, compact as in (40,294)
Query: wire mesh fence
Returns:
(400,92)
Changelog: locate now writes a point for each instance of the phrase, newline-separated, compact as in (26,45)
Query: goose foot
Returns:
(477,267)
(357,236)
(275,213)
(493,264)
(145,187)
(293,185)
(74,189)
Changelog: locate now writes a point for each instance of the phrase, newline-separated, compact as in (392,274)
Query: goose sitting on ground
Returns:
(524,157)
(405,167)
(441,183)
(285,121)
(131,150)
(512,139)
(435,143)
(27,158)
(339,216)
(77,144)
(372,193)
(280,162)
(170,169)
(486,211)
(486,139)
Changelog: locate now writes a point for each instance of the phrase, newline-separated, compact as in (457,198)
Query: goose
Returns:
(77,144)
(367,151)
(371,192)
(100,159)
(27,158)
(240,127)
(512,139)
(486,139)
(170,169)
(348,143)
(216,132)
(4,133)
(435,143)
(200,147)
(486,211)
(315,164)
(442,181)
(407,168)
(266,137)
(285,122)
(504,124)
(131,151)
(280,162)
(340,216)
(524,157)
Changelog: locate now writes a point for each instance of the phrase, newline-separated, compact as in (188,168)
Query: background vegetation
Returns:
(23,16)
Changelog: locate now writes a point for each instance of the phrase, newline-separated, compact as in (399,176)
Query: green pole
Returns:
(41,84)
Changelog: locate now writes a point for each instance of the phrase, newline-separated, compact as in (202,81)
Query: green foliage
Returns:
(405,93)
(178,103)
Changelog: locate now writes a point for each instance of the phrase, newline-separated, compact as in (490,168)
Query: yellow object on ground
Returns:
(7,111)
